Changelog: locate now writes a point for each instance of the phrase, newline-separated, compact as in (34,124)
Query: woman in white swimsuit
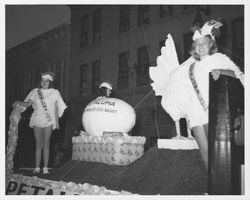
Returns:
(48,106)
(184,88)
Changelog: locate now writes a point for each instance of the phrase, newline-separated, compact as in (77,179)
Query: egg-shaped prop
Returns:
(106,114)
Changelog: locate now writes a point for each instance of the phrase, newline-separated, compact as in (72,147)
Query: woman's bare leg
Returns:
(206,130)
(47,131)
(201,138)
(39,145)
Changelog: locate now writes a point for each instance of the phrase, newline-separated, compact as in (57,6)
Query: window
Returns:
(124,18)
(165,11)
(97,26)
(59,69)
(96,76)
(238,41)
(84,31)
(143,15)
(83,79)
(142,66)
(189,7)
(123,71)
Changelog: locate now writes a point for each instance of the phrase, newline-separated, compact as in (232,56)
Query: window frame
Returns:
(142,66)
(96,76)
(123,71)
(83,71)
(143,15)
(124,18)
(84,33)
(97,26)
(167,8)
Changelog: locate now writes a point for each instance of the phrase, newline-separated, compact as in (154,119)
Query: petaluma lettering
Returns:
(103,102)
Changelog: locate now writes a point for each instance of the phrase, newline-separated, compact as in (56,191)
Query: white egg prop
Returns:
(108,115)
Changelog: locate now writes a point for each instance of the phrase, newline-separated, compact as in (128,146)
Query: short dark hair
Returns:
(213,49)
(103,91)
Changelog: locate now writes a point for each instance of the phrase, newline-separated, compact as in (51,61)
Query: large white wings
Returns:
(166,63)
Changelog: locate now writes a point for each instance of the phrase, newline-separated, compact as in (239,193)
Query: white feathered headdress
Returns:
(207,29)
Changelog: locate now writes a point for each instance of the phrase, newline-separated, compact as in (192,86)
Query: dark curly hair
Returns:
(51,83)
(213,49)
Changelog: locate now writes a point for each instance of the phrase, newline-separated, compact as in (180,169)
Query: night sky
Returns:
(24,22)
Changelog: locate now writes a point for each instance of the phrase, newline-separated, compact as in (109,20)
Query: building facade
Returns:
(119,42)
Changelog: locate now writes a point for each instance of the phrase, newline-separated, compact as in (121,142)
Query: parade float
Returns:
(107,160)
(113,163)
